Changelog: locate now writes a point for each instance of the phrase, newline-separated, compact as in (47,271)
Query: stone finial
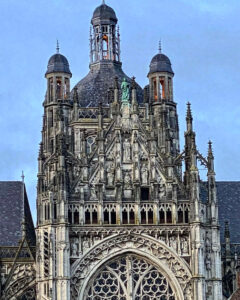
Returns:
(226,230)
(40,153)
(57,47)
(116,86)
(133,83)
(75,95)
(189,112)
(189,117)
(210,151)
(160,47)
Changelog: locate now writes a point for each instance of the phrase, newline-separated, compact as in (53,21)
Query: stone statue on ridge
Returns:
(125,91)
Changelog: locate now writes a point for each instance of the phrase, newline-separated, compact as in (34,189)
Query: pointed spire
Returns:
(160,47)
(103,2)
(57,48)
(133,82)
(210,151)
(189,117)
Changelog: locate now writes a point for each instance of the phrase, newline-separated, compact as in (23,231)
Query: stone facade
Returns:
(117,217)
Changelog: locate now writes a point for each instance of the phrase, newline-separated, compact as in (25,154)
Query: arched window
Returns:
(70,216)
(55,211)
(150,216)
(124,217)
(129,275)
(106,217)
(113,218)
(143,217)
(66,88)
(186,216)
(59,88)
(91,144)
(161,217)
(180,216)
(105,47)
(162,88)
(50,84)
(169,216)
(76,217)
(95,217)
(155,93)
(87,217)
(132,217)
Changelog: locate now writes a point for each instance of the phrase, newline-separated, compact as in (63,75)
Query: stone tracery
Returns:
(129,243)
(129,277)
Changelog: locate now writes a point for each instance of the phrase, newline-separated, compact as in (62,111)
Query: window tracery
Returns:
(129,277)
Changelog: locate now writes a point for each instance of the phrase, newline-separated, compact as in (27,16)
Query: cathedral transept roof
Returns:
(14,207)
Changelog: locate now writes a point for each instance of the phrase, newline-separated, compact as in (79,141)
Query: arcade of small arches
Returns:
(111,214)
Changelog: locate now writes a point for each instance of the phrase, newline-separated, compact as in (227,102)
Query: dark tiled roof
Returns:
(104,12)
(93,88)
(13,206)
(160,63)
(58,63)
(228,193)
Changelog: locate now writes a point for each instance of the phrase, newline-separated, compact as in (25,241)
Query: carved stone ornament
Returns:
(23,277)
(157,253)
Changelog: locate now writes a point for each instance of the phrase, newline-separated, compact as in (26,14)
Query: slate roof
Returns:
(161,63)
(13,206)
(104,12)
(228,193)
(93,88)
(58,63)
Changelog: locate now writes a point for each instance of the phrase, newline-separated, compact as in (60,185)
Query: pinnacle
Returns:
(189,112)
(210,152)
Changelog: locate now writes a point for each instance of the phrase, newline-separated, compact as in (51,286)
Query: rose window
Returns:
(129,278)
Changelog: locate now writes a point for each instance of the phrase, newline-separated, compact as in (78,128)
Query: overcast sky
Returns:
(201,37)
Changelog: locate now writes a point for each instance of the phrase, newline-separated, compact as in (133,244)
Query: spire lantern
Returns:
(161,77)
(105,40)
(58,76)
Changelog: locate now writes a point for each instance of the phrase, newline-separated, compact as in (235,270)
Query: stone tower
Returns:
(117,217)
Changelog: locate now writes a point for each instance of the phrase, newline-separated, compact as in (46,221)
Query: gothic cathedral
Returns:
(121,211)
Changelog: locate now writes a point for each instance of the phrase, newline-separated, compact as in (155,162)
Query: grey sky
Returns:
(201,37)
